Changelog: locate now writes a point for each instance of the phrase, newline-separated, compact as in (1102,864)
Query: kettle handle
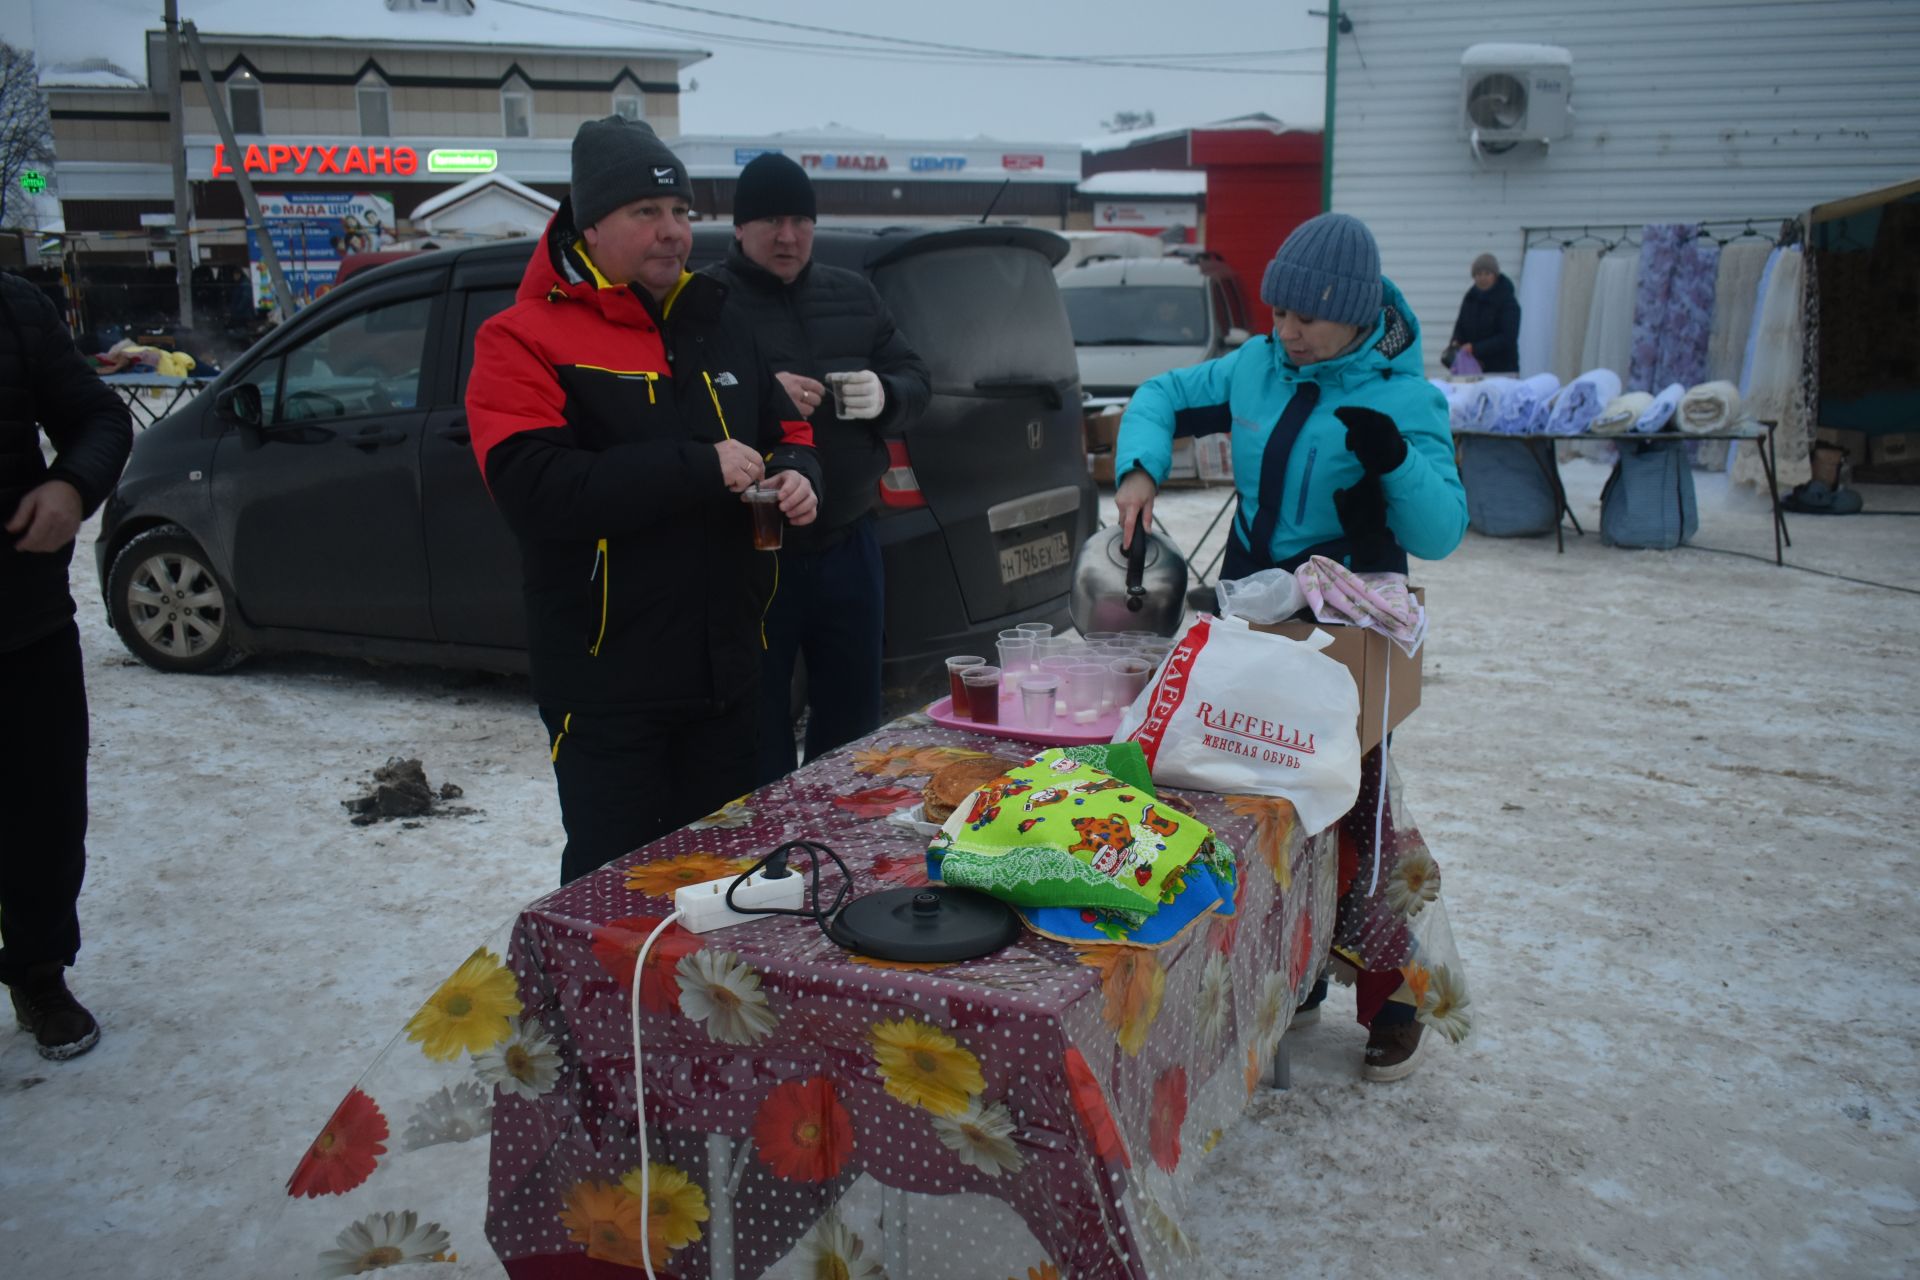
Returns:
(1137,570)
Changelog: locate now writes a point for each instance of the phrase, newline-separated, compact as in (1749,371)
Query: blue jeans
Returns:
(830,606)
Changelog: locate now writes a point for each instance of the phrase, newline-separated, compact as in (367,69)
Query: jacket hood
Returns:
(1393,346)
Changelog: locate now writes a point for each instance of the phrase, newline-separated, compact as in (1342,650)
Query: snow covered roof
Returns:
(75,35)
(473,186)
(1145,182)
(1117,141)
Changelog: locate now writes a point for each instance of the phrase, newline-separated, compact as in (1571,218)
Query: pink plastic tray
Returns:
(1063,732)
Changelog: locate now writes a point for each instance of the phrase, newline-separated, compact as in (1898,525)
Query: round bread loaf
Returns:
(955,782)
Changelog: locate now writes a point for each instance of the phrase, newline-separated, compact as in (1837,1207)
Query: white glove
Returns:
(862,395)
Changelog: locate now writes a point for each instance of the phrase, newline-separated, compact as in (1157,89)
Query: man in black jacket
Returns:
(1488,328)
(820,324)
(44,382)
(618,417)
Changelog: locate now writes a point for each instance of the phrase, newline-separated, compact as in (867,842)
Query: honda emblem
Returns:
(1033,435)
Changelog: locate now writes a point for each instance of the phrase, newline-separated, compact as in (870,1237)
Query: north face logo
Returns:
(665,174)
(725,380)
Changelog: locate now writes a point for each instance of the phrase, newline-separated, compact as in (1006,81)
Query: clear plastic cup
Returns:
(1038,692)
(1038,630)
(983,694)
(1086,686)
(837,383)
(1057,666)
(1015,633)
(1127,677)
(768,524)
(1016,657)
(1099,637)
(955,689)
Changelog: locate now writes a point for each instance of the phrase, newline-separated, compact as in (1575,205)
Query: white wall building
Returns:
(1682,111)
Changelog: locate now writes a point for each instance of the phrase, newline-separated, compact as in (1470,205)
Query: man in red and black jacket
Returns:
(617,422)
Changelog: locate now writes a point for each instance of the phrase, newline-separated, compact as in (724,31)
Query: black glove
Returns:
(1363,516)
(1372,438)
(1446,357)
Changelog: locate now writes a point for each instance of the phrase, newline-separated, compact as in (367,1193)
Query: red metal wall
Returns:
(1260,186)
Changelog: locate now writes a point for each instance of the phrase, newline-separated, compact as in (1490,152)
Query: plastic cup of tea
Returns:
(958,691)
(1037,694)
(837,383)
(1086,686)
(1128,676)
(983,694)
(768,523)
(1038,630)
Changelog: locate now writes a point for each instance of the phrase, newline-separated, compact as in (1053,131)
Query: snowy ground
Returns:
(1672,792)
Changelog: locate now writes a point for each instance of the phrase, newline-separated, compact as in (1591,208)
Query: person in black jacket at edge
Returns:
(45,383)
(1488,328)
(618,416)
(816,322)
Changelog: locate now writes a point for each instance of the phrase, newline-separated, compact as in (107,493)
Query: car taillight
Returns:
(898,486)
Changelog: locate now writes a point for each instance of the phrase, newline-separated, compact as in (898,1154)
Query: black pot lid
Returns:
(933,923)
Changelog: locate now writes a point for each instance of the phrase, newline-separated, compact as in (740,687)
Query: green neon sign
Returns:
(33,182)
(450,161)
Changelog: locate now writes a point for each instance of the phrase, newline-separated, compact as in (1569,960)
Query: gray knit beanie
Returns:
(617,161)
(1329,269)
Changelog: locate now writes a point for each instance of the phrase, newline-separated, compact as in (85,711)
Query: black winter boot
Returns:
(60,1024)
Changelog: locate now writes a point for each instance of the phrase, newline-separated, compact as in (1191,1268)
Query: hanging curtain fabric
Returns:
(1539,309)
(1736,296)
(1609,340)
(1774,390)
(1579,268)
(1753,330)
(1673,306)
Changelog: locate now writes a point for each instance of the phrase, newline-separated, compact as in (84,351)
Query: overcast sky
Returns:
(816,78)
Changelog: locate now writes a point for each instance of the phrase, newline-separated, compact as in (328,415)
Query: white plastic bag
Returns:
(1250,713)
(1271,595)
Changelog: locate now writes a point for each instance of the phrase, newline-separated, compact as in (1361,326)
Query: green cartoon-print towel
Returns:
(1073,827)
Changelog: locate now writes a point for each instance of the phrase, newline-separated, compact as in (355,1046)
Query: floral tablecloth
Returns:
(1040,1112)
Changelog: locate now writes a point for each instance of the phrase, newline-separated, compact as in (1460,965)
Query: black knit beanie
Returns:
(617,161)
(772,186)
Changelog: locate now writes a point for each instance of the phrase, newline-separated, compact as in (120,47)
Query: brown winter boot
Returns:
(60,1024)
(1393,1051)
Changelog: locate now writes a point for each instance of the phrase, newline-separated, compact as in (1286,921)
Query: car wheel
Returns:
(168,605)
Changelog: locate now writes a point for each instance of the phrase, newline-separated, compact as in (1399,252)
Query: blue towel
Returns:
(1523,410)
(1656,415)
(1581,401)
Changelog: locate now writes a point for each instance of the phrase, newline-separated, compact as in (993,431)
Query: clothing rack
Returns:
(1611,236)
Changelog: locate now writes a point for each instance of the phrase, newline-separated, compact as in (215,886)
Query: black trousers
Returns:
(43,795)
(627,779)
(831,606)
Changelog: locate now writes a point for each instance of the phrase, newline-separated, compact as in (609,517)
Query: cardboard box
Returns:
(1371,658)
(1102,428)
(1851,443)
(1213,458)
(1100,466)
(1895,448)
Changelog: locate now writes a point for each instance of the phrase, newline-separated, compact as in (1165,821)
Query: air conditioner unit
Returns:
(1512,93)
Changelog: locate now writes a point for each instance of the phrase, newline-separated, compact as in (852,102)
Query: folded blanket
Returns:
(1075,827)
(1656,415)
(1523,409)
(1459,396)
(1709,407)
(1581,401)
(1620,414)
(1483,403)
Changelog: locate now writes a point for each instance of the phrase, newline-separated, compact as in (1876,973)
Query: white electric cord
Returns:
(639,1096)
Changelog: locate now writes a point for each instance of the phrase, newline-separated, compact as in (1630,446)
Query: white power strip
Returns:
(703,907)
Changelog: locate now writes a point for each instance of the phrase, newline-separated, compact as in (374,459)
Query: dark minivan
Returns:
(352,519)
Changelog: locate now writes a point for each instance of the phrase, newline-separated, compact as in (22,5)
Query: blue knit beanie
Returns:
(1329,269)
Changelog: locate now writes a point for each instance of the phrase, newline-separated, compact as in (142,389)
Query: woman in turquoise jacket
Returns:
(1340,449)
(1340,445)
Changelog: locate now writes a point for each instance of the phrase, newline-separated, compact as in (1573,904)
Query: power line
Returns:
(1101,59)
(955,56)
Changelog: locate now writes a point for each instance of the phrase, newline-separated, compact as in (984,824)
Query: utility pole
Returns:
(182,209)
(268,258)
(1335,26)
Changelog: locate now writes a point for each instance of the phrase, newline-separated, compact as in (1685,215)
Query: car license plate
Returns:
(1037,556)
